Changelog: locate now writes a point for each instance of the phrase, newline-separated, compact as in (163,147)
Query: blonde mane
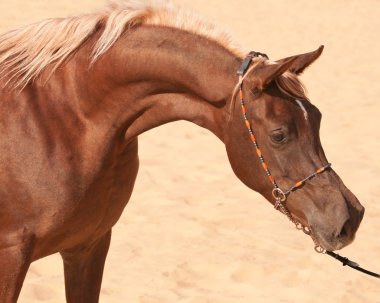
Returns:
(27,51)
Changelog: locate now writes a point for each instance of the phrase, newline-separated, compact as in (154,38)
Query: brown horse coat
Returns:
(77,95)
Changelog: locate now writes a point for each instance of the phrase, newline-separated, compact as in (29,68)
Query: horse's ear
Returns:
(303,61)
(265,73)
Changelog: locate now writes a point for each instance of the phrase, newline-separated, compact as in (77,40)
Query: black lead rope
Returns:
(345,261)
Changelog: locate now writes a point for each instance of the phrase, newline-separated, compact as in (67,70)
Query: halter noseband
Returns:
(278,194)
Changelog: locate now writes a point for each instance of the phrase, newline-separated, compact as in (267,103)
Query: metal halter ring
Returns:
(319,249)
(306,230)
(278,194)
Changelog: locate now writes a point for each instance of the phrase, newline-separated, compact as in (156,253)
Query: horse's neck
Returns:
(163,75)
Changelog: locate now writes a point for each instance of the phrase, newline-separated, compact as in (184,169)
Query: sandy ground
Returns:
(192,232)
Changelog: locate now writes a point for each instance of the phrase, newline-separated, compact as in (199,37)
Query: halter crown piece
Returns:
(279,195)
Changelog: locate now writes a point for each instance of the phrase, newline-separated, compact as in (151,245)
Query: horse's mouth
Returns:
(330,243)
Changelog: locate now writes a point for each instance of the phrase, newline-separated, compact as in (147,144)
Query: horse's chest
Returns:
(92,206)
(106,196)
(110,192)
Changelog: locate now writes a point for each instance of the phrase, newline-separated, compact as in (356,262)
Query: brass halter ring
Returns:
(278,194)
(319,249)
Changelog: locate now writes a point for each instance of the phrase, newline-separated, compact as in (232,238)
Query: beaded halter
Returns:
(279,195)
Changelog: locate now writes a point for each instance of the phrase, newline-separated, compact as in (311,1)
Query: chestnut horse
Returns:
(76,94)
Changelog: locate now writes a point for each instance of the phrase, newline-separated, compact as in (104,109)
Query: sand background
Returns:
(192,232)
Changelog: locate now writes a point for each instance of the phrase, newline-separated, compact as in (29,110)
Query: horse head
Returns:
(284,133)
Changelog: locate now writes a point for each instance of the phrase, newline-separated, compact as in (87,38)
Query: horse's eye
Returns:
(278,136)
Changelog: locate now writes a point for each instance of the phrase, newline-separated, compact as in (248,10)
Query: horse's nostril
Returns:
(343,232)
